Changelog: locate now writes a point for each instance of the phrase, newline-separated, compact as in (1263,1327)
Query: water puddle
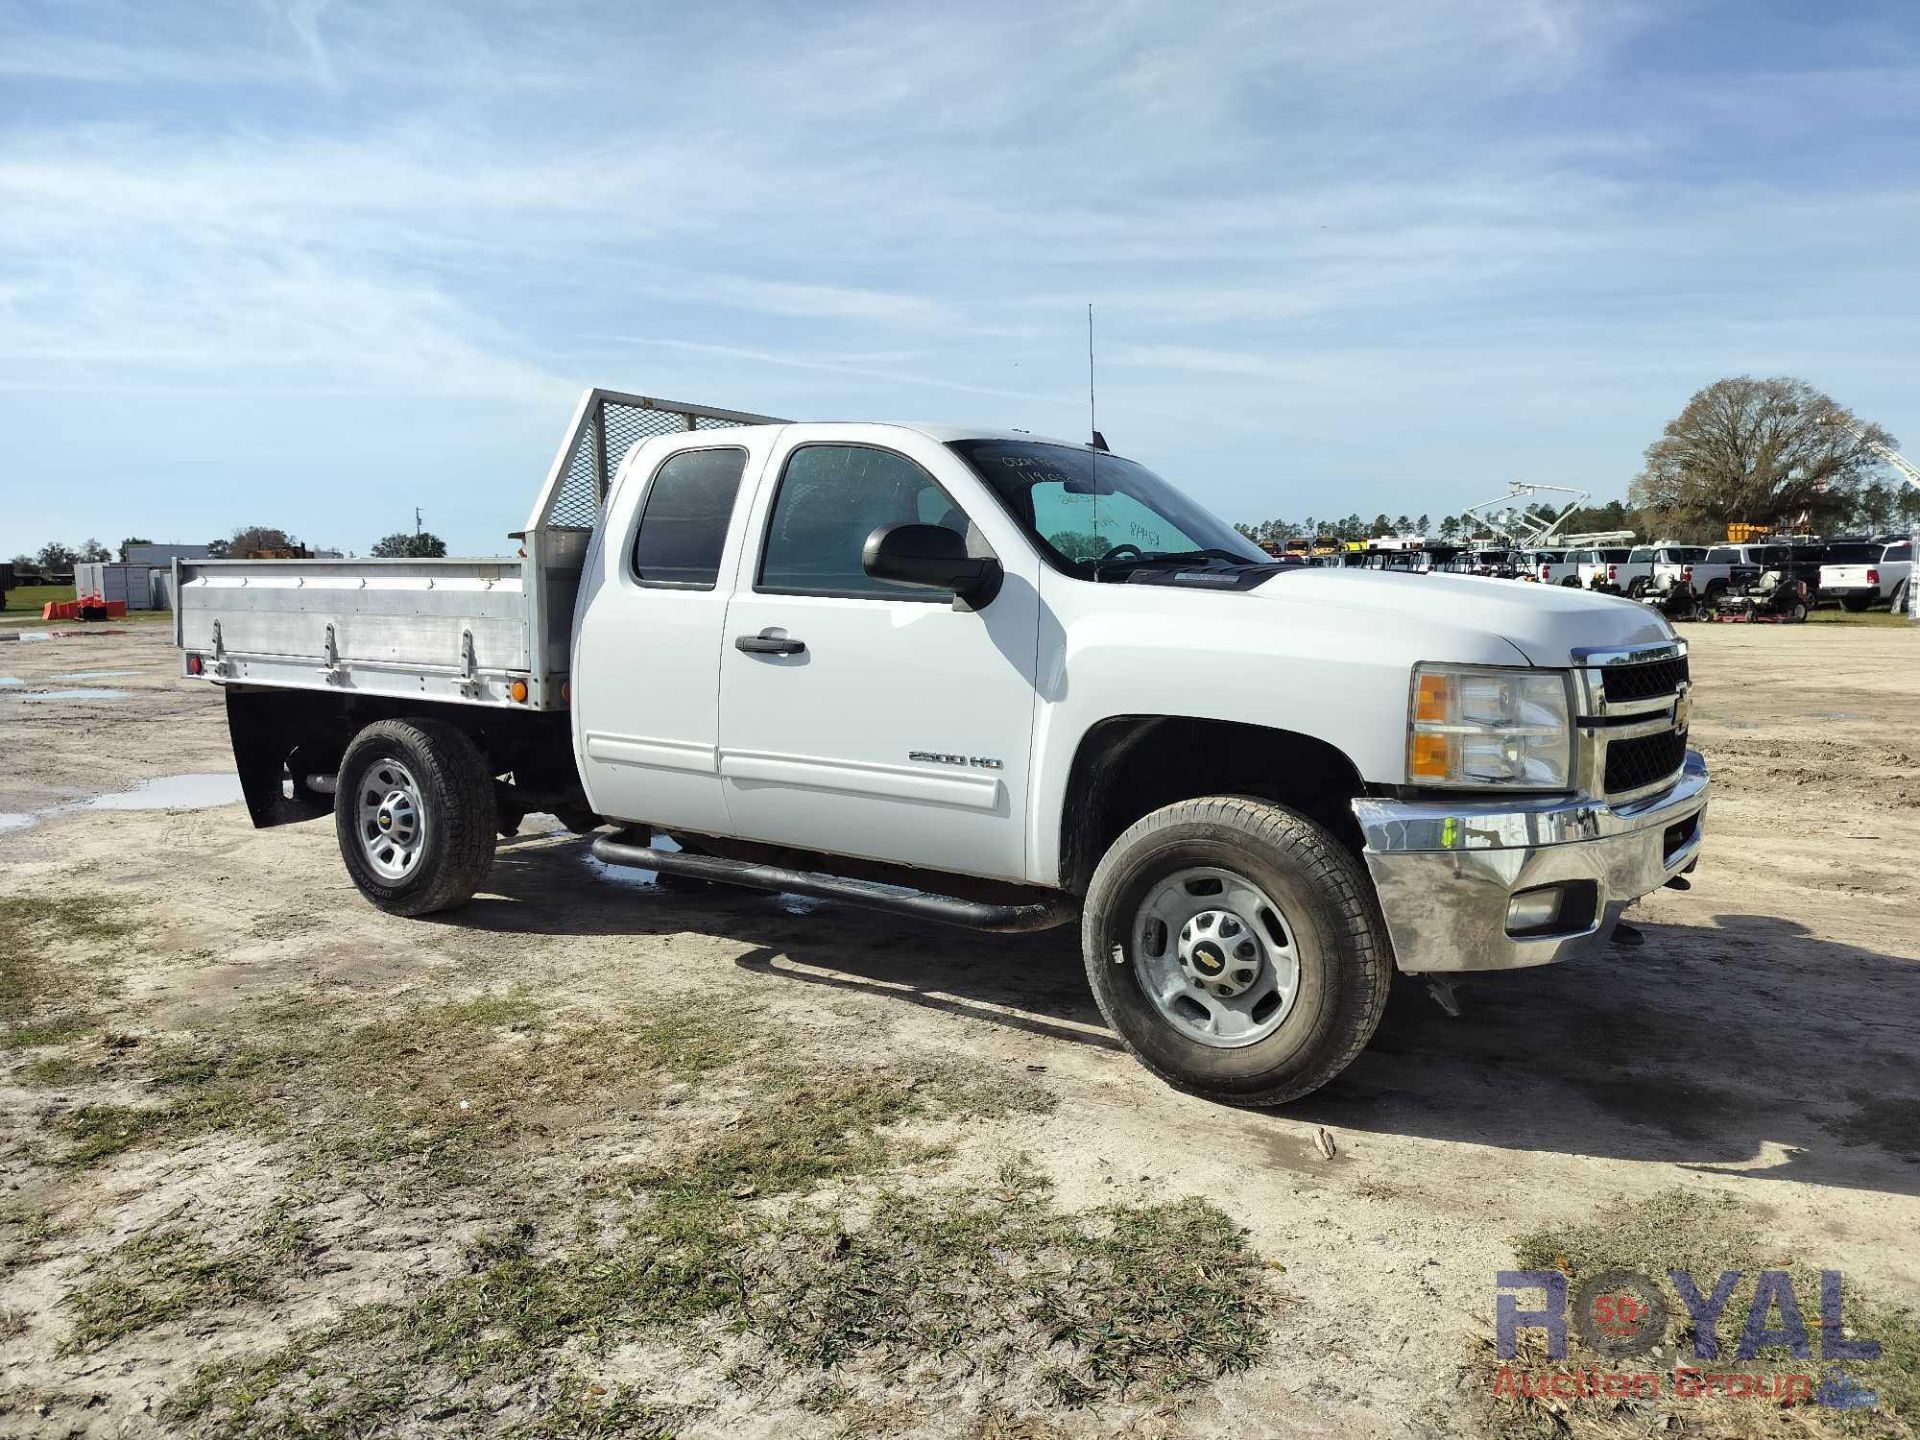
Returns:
(97,675)
(42,697)
(26,634)
(7,680)
(168,792)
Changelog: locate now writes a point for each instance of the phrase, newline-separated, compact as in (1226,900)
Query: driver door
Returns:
(899,729)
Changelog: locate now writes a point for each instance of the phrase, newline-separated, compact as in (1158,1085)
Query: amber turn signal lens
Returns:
(518,690)
(1430,756)
(1430,700)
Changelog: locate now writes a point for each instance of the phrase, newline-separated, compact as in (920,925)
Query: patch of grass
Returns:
(582,1410)
(434,1087)
(49,1071)
(29,599)
(1127,1302)
(55,1031)
(31,927)
(1704,1234)
(167,1272)
(1838,616)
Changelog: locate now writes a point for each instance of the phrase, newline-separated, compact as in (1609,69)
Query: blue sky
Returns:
(313,264)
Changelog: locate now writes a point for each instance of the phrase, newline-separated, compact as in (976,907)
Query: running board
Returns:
(972,914)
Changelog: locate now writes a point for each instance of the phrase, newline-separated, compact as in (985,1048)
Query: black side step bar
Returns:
(972,914)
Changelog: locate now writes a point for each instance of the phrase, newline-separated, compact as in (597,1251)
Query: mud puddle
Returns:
(73,696)
(168,792)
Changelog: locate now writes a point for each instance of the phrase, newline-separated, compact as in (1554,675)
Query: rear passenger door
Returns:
(863,717)
(648,630)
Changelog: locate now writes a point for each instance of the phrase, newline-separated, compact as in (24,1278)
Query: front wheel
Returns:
(415,814)
(1236,948)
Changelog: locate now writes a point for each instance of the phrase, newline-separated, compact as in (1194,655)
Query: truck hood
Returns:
(1545,623)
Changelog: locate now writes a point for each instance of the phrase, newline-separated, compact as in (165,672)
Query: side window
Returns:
(831,498)
(683,524)
(1902,551)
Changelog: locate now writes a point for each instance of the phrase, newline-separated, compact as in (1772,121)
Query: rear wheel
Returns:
(1898,601)
(415,815)
(1637,587)
(1236,948)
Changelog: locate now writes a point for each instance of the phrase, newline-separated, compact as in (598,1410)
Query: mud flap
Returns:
(275,736)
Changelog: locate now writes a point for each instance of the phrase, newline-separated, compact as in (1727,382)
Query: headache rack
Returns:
(495,631)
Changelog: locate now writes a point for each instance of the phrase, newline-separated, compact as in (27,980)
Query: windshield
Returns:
(1083,507)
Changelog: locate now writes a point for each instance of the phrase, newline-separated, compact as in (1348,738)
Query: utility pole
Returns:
(416,522)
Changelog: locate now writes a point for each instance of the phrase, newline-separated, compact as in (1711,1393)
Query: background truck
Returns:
(1863,574)
(988,679)
(1593,564)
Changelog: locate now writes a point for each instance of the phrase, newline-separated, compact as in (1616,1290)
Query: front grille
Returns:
(1643,760)
(1645,680)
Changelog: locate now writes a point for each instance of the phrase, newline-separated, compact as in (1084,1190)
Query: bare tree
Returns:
(1767,452)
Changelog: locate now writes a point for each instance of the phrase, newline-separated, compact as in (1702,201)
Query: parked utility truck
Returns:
(990,679)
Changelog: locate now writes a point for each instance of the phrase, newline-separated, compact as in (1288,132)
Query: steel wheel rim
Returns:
(1215,957)
(390,820)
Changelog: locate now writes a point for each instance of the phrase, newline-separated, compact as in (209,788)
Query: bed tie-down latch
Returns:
(335,672)
(469,667)
(219,665)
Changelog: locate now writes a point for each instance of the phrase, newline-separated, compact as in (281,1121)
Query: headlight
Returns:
(1472,726)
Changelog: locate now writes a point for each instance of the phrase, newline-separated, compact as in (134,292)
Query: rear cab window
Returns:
(684,519)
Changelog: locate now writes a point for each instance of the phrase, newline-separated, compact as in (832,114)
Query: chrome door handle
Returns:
(764,644)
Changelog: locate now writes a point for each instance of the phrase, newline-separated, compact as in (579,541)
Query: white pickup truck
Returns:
(989,679)
(1863,574)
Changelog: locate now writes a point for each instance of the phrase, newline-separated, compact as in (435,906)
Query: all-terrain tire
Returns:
(1328,903)
(1897,601)
(456,808)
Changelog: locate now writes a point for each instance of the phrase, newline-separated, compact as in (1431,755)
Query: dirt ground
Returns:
(1764,1044)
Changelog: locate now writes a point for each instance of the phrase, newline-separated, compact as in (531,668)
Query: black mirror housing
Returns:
(933,556)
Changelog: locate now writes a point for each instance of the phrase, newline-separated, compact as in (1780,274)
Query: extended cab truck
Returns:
(1861,575)
(988,679)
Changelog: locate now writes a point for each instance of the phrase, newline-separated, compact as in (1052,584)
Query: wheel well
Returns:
(276,732)
(1131,765)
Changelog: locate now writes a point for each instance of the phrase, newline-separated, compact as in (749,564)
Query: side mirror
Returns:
(934,556)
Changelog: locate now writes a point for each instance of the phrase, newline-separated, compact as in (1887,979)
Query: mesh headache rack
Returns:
(606,425)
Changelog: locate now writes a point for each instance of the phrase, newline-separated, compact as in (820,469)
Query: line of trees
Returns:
(1773,452)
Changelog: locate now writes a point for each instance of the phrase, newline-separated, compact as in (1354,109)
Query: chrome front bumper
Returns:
(1445,871)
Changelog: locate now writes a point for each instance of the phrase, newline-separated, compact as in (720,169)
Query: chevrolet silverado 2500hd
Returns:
(988,679)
